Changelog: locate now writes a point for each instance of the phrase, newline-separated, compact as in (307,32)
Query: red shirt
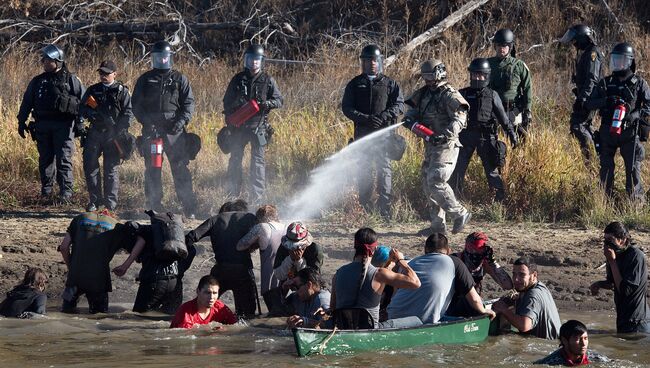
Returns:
(188,315)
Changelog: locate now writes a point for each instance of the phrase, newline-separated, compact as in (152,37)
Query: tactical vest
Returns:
(432,106)
(480,108)
(161,92)
(370,96)
(109,100)
(53,96)
(255,87)
(626,89)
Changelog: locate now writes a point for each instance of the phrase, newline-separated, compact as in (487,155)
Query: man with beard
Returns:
(534,310)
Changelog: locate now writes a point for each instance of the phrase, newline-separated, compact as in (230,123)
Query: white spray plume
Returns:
(327,182)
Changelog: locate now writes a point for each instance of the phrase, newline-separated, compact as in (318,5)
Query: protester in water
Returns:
(534,310)
(27,297)
(359,284)
(91,241)
(627,275)
(310,297)
(573,351)
(478,256)
(205,308)
(297,252)
(265,236)
(233,269)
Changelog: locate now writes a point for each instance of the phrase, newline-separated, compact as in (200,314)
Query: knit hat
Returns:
(381,256)
(297,236)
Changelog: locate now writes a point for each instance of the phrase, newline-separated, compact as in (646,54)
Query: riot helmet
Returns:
(479,73)
(505,37)
(254,58)
(370,54)
(622,58)
(581,35)
(433,71)
(161,55)
(51,51)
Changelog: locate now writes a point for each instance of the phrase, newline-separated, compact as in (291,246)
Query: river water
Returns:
(127,340)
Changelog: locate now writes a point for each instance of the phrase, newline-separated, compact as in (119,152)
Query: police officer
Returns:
(622,89)
(373,101)
(510,77)
(163,103)
(438,113)
(485,110)
(53,100)
(253,83)
(589,68)
(107,105)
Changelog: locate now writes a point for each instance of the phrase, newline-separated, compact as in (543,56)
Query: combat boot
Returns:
(460,222)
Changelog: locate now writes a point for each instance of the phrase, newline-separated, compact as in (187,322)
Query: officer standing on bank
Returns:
(163,103)
(53,100)
(623,101)
(373,101)
(589,70)
(511,79)
(438,114)
(253,83)
(485,110)
(107,105)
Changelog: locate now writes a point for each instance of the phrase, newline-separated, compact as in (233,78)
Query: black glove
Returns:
(514,140)
(176,128)
(266,105)
(408,122)
(376,121)
(615,100)
(489,254)
(439,139)
(633,116)
(22,129)
(526,118)
(79,130)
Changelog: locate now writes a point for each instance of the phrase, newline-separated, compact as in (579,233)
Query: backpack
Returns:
(168,236)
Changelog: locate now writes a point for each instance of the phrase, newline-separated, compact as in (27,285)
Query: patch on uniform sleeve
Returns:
(457,101)
(594,55)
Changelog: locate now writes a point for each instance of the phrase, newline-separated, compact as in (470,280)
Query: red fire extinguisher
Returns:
(245,112)
(422,131)
(156,152)
(617,120)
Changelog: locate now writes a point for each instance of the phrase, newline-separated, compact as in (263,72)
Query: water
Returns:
(328,181)
(126,340)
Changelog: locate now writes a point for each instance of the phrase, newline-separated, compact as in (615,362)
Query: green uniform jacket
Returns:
(510,77)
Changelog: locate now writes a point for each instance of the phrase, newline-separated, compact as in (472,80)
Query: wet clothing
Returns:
(485,111)
(307,309)
(163,103)
(463,284)
(430,301)
(632,312)
(188,316)
(373,104)
(443,110)
(267,237)
(558,358)
(635,91)
(349,294)
(23,299)
(286,268)
(537,304)
(511,79)
(242,88)
(589,70)
(111,117)
(158,278)
(233,269)
(97,301)
(53,101)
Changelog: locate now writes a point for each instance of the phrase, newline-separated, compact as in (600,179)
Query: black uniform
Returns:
(242,88)
(53,100)
(485,111)
(233,269)
(635,92)
(163,103)
(364,98)
(110,118)
(589,69)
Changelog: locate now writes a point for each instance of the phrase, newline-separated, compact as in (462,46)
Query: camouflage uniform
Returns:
(443,110)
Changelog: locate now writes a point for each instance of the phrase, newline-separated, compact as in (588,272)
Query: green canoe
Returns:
(331,342)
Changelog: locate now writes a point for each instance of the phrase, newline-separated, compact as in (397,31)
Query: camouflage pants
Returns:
(438,165)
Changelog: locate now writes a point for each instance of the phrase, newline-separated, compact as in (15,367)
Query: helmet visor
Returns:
(161,60)
(569,35)
(253,62)
(618,62)
(373,65)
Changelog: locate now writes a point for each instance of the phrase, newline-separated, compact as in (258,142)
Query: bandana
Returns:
(476,241)
(365,249)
